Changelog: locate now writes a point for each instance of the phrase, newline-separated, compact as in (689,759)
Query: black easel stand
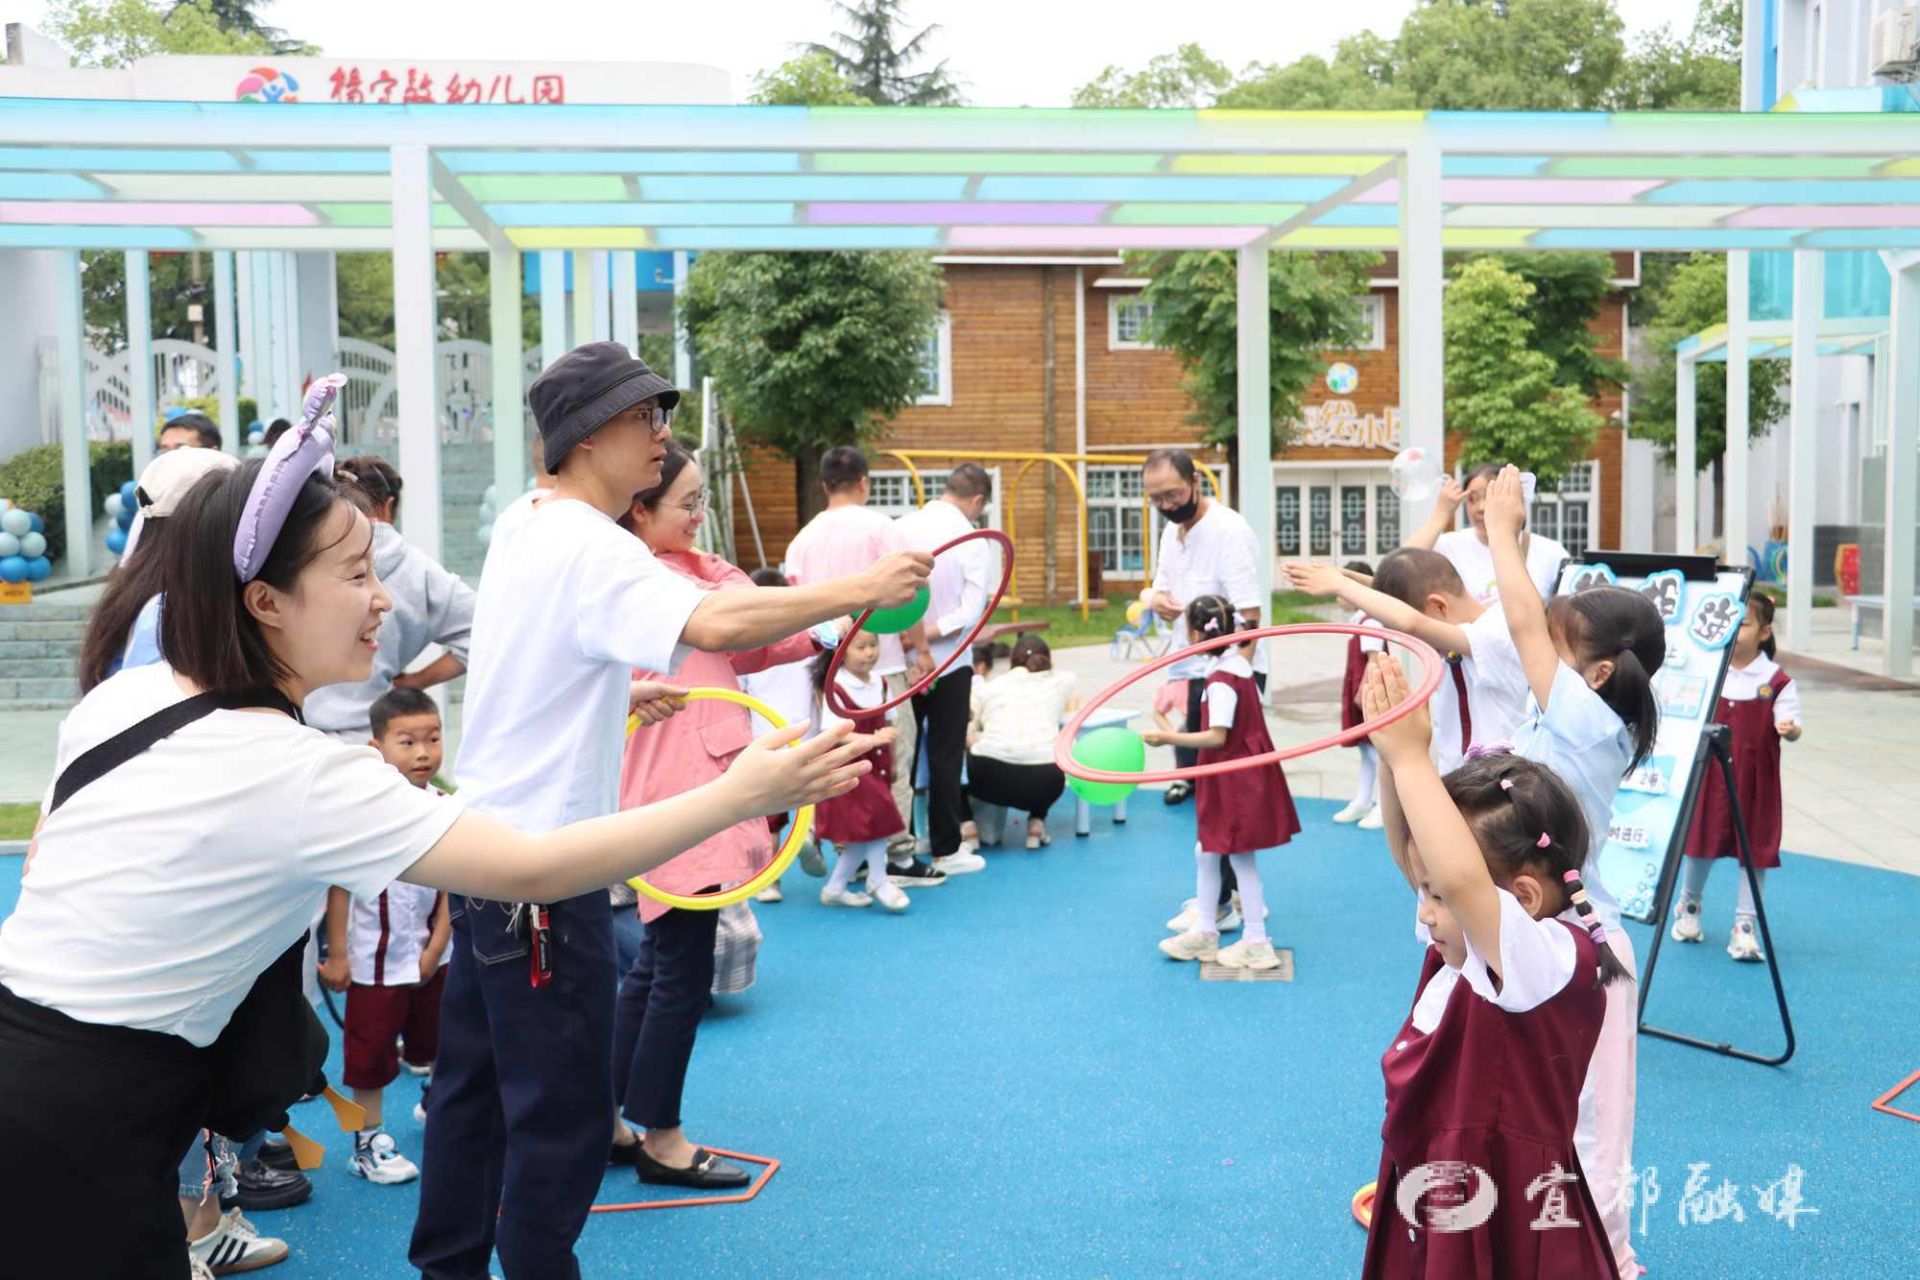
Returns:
(1716,739)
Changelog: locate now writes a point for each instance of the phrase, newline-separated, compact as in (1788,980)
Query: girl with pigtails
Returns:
(1238,813)
(1479,1171)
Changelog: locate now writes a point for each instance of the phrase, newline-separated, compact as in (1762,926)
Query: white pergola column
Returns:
(140,411)
(509,430)
(1254,395)
(76,480)
(1809,288)
(553,306)
(682,339)
(285,398)
(1686,456)
(1734,469)
(582,297)
(260,307)
(413,340)
(1903,452)
(602,303)
(226,345)
(1422,350)
(248,326)
(626,300)
(294,380)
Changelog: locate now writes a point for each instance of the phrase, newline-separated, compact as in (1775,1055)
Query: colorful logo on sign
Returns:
(1342,379)
(264,84)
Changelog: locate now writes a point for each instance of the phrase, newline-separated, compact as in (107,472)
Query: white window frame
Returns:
(1150,535)
(934,481)
(1373,309)
(942,393)
(1114,341)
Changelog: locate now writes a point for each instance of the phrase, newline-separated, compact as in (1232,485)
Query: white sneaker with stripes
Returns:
(235,1246)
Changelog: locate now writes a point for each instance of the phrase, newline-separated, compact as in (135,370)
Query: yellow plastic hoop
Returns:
(796,835)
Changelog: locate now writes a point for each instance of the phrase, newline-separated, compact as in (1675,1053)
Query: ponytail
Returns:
(1611,970)
(1629,691)
(1613,623)
(1762,605)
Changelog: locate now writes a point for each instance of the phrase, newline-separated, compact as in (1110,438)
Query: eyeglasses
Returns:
(1164,498)
(654,416)
(701,504)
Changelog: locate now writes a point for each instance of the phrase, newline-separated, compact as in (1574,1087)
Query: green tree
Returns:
(811,80)
(463,298)
(1568,292)
(117,33)
(238,16)
(1503,397)
(1187,77)
(1360,78)
(1519,55)
(1700,73)
(1695,298)
(874,59)
(1314,307)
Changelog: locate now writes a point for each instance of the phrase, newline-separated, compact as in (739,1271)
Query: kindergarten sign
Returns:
(1701,617)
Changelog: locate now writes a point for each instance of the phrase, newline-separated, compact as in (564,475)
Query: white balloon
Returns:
(113,504)
(16,522)
(33,546)
(6,504)
(485,534)
(487,497)
(9,545)
(1414,474)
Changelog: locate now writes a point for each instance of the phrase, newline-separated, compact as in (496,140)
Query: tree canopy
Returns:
(875,57)
(118,33)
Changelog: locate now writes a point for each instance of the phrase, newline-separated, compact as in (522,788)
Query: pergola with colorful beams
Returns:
(141,176)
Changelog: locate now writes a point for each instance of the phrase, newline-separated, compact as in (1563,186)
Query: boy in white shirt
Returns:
(1483,698)
(521,1116)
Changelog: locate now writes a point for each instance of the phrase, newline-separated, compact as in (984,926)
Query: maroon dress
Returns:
(867,812)
(1350,713)
(1252,809)
(1756,774)
(1499,1092)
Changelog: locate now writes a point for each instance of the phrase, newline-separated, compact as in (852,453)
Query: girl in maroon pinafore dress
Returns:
(859,822)
(1238,813)
(1479,1178)
(1761,708)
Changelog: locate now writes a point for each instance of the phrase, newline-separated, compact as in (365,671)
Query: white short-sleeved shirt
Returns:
(846,540)
(1497,691)
(962,580)
(1585,742)
(1473,559)
(1019,714)
(160,891)
(787,688)
(1222,700)
(867,691)
(1744,684)
(386,934)
(1537,958)
(513,518)
(1218,556)
(567,611)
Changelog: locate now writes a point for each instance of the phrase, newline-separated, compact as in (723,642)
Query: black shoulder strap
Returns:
(104,757)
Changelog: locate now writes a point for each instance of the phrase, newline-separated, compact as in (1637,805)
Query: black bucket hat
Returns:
(581,391)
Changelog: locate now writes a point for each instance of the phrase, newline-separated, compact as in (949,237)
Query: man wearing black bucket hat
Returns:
(520,1115)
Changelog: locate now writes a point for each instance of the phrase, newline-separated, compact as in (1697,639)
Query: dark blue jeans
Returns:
(662,1000)
(520,1117)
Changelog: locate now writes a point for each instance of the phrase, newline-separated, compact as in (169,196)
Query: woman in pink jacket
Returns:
(665,994)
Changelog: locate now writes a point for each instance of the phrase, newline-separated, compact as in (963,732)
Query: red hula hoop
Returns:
(1433,668)
(841,707)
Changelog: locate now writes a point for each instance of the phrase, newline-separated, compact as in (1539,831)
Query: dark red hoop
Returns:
(1433,666)
(847,709)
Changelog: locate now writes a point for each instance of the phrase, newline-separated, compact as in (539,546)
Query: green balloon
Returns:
(887,622)
(1115,749)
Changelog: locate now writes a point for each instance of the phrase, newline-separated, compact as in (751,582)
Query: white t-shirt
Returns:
(161,890)
(1218,556)
(567,611)
(1582,740)
(962,580)
(513,518)
(1473,559)
(1496,691)
(1020,714)
(1536,964)
(787,688)
(1222,699)
(1744,684)
(846,540)
(864,692)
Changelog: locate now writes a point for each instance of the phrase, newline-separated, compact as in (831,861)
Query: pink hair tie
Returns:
(1213,624)
(304,451)
(1544,842)
(1506,784)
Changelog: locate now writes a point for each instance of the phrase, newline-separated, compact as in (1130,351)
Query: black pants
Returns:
(941,714)
(1032,787)
(70,1091)
(658,1013)
(1186,757)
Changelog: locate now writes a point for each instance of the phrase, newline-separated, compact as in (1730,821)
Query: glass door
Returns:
(1286,519)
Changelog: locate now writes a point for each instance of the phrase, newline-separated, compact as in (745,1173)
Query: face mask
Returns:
(1186,510)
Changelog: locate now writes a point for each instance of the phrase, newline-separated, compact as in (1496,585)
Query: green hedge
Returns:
(31,479)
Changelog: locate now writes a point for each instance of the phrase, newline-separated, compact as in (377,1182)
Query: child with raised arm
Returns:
(1484,1077)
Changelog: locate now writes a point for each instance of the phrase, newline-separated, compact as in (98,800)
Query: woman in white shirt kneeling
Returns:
(1011,762)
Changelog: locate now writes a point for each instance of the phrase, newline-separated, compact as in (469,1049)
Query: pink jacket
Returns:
(697,744)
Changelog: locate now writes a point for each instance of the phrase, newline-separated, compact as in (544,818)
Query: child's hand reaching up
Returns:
(1506,512)
(1317,579)
(1383,688)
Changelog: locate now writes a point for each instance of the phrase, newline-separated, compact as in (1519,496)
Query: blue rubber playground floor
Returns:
(1011,1081)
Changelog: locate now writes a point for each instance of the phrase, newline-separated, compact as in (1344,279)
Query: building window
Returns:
(936,364)
(1353,520)
(1568,515)
(1386,520)
(1117,513)
(891,492)
(1129,323)
(1373,323)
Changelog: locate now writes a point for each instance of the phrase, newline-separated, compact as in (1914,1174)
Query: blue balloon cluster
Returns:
(23,545)
(121,506)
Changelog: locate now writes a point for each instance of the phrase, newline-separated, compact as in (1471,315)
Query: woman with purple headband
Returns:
(194,784)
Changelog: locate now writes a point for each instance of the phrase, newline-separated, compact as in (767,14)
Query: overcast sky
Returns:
(1006,52)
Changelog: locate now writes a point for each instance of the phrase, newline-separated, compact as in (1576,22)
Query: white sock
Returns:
(875,852)
(1369,776)
(845,865)
(1253,899)
(364,1137)
(1206,891)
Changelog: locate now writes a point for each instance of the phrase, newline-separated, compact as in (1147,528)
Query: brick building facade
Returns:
(1033,351)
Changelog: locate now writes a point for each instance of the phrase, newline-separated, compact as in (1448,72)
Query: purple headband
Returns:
(1479,749)
(306,450)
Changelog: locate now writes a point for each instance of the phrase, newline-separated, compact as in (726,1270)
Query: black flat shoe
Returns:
(623,1152)
(708,1172)
(1177,792)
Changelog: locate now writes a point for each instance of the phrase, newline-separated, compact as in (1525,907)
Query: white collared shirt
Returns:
(962,580)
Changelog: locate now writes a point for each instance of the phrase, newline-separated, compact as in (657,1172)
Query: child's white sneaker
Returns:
(1744,942)
(1249,955)
(831,897)
(1686,923)
(235,1245)
(891,896)
(1373,821)
(1355,810)
(377,1160)
(770,894)
(1225,919)
(1191,945)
